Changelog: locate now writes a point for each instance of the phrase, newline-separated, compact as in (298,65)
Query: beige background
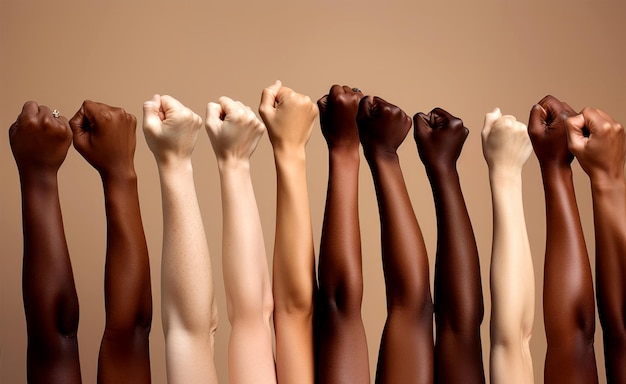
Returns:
(466,57)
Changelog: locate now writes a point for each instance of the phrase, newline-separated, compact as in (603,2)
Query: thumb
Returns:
(490,119)
(536,121)
(575,137)
(421,125)
(268,99)
(214,115)
(151,116)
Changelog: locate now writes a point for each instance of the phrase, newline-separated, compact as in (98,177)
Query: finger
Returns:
(30,108)
(441,118)
(214,116)
(366,109)
(570,111)
(490,119)
(337,89)
(228,105)
(422,125)
(151,116)
(322,103)
(537,119)
(268,99)
(169,105)
(78,121)
(576,139)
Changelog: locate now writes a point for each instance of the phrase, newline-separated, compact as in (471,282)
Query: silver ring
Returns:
(356,90)
(56,113)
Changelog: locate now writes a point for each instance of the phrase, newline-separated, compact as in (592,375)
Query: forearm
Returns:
(186,277)
(405,261)
(609,208)
(246,275)
(46,255)
(458,288)
(340,246)
(127,281)
(294,259)
(512,274)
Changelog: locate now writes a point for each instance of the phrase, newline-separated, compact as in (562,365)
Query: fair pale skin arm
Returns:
(188,308)
(599,144)
(506,147)
(289,118)
(235,131)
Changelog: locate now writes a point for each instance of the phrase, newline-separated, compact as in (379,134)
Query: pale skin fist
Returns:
(233,128)
(382,126)
(338,110)
(105,137)
(546,127)
(39,141)
(171,130)
(599,144)
(288,116)
(506,143)
(440,137)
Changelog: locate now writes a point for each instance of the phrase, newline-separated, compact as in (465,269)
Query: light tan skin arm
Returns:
(506,147)
(235,131)
(599,144)
(189,310)
(289,118)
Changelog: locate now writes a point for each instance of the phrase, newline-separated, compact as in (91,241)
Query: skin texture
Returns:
(568,303)
(235,132)
(40,143)
(289,118)
(105,137)
(188,309)
(599,144)
(506,147)
(406,348)
(341,355)
(458,299)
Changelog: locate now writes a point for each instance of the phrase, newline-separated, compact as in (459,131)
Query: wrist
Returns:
(289,153)
(225,165)
(377,155)
(608,184)
(176,166)
(38,179)
(120,178)
(507,176)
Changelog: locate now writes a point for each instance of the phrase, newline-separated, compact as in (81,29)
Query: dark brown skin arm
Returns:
(458,299)
(40,143)
(341,344)
(406,349)
(599,144)
(568,303)
(105,137)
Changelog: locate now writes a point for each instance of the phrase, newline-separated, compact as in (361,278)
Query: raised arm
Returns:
(341,355)
(105,137)
(40,142)
(289,118)
(568,304)
(458,295)
(188,306)
(235,131)
(599,144)
(406,348)
(506,147)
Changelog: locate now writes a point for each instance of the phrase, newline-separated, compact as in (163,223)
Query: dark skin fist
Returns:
(382,126)
(546,127)
(39,141)
(105,137)
(338,111)
(439,137)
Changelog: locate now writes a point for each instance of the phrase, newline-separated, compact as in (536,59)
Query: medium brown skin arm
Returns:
(341,343)
(105,137)
(458,295)
(40,143)
(569,307)
(406,349)
(599,144)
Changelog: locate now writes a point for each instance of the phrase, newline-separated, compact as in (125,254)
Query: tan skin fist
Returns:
(546,127)
(599,144)
(39,141)
(338,110)
(382,126)
(288,116)
(105,137)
